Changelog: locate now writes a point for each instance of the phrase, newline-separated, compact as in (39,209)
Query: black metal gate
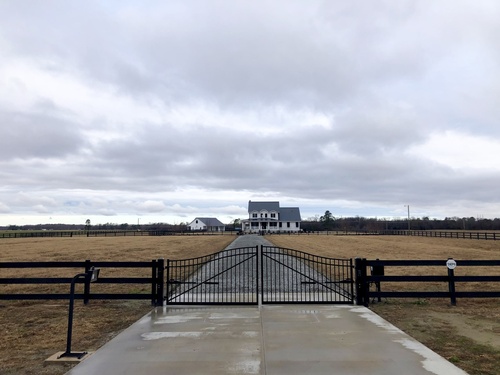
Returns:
(273,275)
(227,277)
(291,276)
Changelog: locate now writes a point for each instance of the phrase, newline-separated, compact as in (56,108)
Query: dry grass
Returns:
(389,247)
(32,331)
(467,334)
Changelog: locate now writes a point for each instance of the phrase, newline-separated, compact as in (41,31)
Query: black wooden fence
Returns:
(107,233)
(156,281)
(125,233)
(444,234)
(495,236)
(371,278)
(370,284)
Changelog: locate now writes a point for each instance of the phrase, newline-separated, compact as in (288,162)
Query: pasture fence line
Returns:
(123,233)
(378,277)
(416,233)
(156,280)
(106,233)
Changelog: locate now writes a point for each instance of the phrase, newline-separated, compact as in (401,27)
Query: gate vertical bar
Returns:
(168,281)
(351,279)
(262,291)
(257,284)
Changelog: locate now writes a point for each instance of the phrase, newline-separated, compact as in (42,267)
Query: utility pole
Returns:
(409,225)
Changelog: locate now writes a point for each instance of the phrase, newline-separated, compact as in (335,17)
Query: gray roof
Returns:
(268,206)
(285,213)
(290,214)
(210,221)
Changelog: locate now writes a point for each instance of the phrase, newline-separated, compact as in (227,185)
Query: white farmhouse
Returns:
(270,217)
(208,224)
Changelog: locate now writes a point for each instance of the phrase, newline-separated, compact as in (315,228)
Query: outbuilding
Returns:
(206,224)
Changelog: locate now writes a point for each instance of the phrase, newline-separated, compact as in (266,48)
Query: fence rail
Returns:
(490,273)
(445,234)
(124,233)
(106,233)
(416,233)
(155,281)
(377,277)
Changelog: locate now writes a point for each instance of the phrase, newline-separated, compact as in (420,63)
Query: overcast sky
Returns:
(161,111)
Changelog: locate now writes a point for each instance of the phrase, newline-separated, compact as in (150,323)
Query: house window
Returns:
(281,224)
(254,215)
(265,215)
(272,224)
(296,225)
(273,215)
(196,221)
(288,224)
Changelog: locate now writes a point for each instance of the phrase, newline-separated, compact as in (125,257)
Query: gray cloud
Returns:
(37,135)
(119,109)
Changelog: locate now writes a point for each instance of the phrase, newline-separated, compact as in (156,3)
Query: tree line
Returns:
(360,223)
(319,223)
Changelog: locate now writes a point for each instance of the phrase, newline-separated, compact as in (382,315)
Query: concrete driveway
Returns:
(268,339)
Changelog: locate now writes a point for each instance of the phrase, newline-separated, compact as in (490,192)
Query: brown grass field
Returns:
(467,334)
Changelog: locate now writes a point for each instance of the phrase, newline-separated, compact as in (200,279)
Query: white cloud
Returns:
(463,152)
(28,83)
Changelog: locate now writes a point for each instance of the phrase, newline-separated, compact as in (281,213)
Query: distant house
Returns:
(208,224)
(270,217)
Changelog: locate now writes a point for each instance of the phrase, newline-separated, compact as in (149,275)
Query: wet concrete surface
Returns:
(268,339)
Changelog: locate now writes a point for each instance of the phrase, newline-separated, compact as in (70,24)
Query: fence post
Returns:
(86,288)
(362,297)
(451,264)
(154,275)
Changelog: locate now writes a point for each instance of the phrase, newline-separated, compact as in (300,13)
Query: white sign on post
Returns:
(451,264)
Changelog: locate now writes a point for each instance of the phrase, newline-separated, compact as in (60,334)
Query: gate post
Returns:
(154,276)
(362,297)
(167,283)
(86,288)
(159,282)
